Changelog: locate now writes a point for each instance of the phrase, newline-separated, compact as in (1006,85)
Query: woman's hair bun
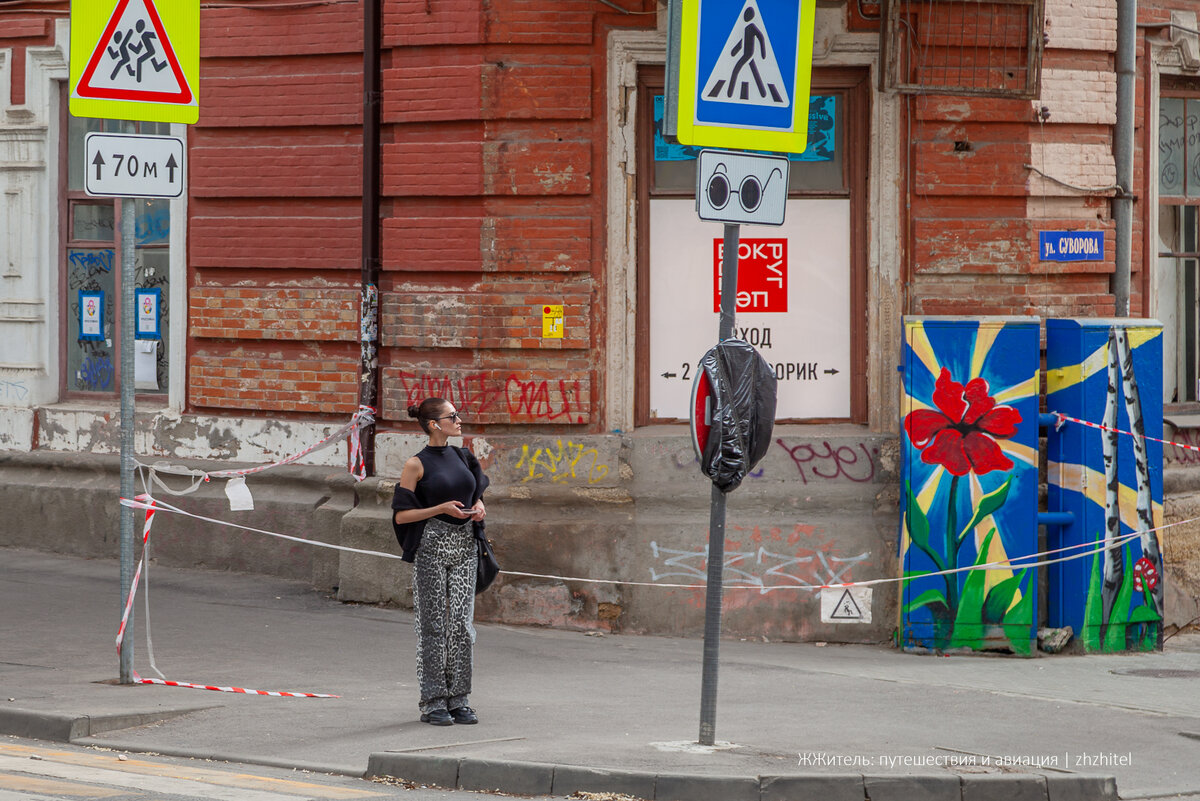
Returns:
(414,412)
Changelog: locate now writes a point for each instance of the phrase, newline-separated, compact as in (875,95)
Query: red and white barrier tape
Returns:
(151,506)
(148,505)
(1062,418)
(239,690)
(364,417)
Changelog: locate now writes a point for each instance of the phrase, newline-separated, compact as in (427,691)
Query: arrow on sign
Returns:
(668,375)
(171,167)
(831,371)
(99,162)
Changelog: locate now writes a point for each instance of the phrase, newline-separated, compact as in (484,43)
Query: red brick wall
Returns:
(976,210)
(18,32)
(976,206)
(274,239)
(493,139)
(493,158)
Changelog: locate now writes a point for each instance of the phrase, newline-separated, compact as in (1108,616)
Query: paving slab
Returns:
(560,709)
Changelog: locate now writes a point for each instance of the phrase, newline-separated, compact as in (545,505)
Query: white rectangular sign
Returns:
(846,605)
(741,187)
(128,165)
(793,304)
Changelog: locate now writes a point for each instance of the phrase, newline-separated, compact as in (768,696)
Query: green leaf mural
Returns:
(988,504)
(1093,610)
(918,527)
(1114,635)
(995,608)
(968,620)
(1018,624)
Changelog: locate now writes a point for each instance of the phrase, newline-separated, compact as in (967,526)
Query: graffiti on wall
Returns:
(969,483)
(87,263)
(768,561)
(1183,441)
(824,462)
(561,463)
(13,391)
(479,394)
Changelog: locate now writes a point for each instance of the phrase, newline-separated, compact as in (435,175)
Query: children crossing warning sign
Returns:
(135,59)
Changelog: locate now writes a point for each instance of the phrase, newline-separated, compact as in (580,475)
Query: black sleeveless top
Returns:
(446,477)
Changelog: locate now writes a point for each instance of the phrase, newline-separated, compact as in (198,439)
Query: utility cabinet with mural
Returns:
(1106,483)
(969,547)
(969,483)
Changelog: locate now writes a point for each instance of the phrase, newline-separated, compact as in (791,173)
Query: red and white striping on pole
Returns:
(148,503)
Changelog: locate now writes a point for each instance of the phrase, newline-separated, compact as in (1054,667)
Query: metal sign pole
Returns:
(127,332)
(716,517)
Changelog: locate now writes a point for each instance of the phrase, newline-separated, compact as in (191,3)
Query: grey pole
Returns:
(127,331)
(1123,151)
(716,518)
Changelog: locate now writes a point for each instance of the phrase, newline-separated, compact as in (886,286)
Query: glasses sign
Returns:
(741,187)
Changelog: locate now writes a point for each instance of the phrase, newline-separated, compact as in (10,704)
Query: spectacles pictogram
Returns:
(750,191)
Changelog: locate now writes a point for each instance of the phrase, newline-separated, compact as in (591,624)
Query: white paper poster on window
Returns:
(793,303)
(145,364)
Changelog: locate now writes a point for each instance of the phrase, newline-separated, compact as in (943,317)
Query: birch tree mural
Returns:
(1114,566)
(1145,512)
(1104,378)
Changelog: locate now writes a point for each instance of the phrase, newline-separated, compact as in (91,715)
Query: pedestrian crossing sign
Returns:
(135,59)
(744,72)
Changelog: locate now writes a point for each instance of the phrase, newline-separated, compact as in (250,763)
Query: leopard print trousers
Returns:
(444,606)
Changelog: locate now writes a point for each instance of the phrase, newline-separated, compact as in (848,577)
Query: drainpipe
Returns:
(1123,151)
(368,388)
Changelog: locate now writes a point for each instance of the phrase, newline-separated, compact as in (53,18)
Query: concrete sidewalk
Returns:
(562,711)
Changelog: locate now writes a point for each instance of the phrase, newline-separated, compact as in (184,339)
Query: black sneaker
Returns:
(438,717)
(464,715)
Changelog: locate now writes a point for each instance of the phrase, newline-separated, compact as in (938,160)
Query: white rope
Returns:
(1014,563)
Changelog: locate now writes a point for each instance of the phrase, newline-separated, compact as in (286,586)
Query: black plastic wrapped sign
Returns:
(742,388)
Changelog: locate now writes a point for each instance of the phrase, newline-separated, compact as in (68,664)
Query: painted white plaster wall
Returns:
(28,218)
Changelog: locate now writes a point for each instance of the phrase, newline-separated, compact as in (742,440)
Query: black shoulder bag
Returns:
(486,566)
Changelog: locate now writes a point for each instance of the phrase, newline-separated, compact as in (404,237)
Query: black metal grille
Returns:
(963,47)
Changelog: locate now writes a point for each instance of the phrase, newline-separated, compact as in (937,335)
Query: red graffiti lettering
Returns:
(1181,450)
(534,399)
(470,393)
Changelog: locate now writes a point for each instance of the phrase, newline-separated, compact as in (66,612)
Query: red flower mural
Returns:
(961,435)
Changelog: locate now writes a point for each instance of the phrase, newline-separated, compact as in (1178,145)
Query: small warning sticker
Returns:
(552,322)
(846,605)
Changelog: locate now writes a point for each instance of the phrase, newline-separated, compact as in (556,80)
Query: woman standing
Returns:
(436,505)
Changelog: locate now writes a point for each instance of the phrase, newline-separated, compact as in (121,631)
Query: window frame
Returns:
(68,199)
(854,87)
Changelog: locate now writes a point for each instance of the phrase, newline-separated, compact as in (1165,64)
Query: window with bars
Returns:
(963,47)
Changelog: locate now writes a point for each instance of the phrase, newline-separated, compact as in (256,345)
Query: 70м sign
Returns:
(124,165)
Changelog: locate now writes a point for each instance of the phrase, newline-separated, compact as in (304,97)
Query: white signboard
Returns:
(741,187)
(127,165)
(846,605)
(793,304)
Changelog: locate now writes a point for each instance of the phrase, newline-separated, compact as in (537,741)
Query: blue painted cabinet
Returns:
(1109,586)
(969,483)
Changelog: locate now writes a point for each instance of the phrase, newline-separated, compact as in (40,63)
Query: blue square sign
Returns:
(745,68)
